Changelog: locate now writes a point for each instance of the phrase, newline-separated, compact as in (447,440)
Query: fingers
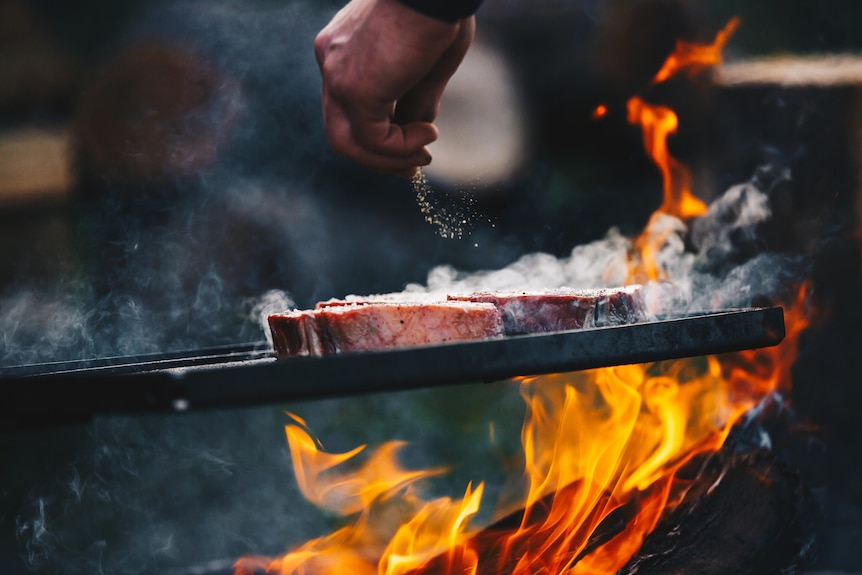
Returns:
(376,142)
(421,104)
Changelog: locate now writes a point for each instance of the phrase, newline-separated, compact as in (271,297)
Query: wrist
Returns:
(449,11)
(410,26)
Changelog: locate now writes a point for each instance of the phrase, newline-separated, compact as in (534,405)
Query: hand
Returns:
(384,68)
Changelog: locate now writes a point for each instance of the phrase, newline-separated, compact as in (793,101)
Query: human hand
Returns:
(384,68)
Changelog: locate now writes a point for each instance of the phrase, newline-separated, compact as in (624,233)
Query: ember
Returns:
(601,448)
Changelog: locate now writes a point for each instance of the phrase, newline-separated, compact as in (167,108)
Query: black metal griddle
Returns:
(57,393)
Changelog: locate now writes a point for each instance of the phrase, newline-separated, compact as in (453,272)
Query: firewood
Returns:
(742,514)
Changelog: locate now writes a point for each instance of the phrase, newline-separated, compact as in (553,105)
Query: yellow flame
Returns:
(438,528)
(349,491)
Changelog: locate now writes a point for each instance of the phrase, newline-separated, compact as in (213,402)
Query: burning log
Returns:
(741,513)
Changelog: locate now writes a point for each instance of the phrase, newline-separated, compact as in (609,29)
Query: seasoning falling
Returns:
(454,217)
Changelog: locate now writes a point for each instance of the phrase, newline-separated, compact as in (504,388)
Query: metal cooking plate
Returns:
(57,393)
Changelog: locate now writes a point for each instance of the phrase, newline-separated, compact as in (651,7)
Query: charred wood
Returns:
(741,513)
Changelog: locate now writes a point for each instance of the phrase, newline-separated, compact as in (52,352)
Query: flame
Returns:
(601,447)
(350,492)
(622,433)
(437,529)
(658,123)
(376,495)
(692,58)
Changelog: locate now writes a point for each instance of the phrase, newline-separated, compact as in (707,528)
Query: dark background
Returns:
(202,180)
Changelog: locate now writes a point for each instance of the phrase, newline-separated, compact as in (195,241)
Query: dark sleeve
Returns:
(446,10)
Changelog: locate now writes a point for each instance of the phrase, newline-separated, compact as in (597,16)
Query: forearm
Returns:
(446,10)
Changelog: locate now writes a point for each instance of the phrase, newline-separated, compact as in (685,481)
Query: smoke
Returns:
(30,322)
(39,542)
(178,264)
(719,261)
(273,301)
(597,264)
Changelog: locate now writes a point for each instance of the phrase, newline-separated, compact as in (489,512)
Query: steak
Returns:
(341,327)
(564,309)
(393,320)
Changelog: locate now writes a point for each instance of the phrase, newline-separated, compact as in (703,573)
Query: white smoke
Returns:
(34,320)
(273,301)
(714,263)
(597,264)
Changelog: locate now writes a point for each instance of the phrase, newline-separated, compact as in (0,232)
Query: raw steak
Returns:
(393,320)
(564,309)
(340,327)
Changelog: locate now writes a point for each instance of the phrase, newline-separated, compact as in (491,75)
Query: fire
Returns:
(692,58)
(658,123)
(601,447)
(620,435)
(346,494)
(379,493)
(601,450)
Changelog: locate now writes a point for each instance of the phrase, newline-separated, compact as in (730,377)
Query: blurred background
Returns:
(163,168)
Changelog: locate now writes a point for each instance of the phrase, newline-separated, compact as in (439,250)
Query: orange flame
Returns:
(378,494)
(658,123)
(692,58)
(350,492)
(622,433)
